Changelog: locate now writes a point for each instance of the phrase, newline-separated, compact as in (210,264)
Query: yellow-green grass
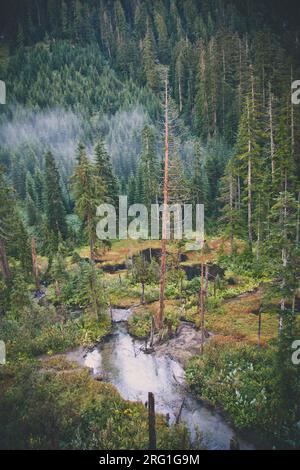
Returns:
(4,54)
(239,318)
(236,319)
(121,250)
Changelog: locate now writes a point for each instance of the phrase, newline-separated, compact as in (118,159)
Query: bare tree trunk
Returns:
(4,262)
(180,93)
(151,421)
(201,306)
(250,161)
(92,247)
(258,230)
(259,328)
(38,14)
(298,222)
(111,313)
(249,180)
(164,217)
(223,91)
(143,293)
(272,145)
(292,121)
(293,304)
(252,89)
(34,263)
(92,250)
(263,86)
(284,256)
(178,417)
(206,281)
(231,210)
(240,75)
(239,191)
(152,332)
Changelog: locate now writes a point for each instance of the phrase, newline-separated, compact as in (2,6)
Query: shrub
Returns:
(244,382)
(57,406)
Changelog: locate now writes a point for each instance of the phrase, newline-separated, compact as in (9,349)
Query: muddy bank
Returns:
(185,344)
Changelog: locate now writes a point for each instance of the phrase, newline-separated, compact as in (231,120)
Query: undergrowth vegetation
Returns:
(251,386)
(56,406)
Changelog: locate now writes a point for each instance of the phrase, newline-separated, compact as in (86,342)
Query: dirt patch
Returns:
(184,345)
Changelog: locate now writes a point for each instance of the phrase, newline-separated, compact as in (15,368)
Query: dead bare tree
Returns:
(35,270)
(201,305)
(259,327)
(162,284)
(151,421)
(4,261)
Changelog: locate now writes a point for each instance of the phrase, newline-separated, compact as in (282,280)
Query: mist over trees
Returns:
(99,95)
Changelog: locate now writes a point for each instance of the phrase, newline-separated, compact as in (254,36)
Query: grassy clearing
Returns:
(239,318)
(121,250)
(236,317)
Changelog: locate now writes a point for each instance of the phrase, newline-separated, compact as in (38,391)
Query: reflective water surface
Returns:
(121,362)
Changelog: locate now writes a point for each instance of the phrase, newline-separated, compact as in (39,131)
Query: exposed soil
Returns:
(184,345)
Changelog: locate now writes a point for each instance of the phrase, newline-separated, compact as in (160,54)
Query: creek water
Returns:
(121,361)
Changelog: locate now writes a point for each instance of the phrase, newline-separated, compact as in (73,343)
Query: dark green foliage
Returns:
(253,386)
(199,183)
(149,168)
(144,272)
(89,192)
(41,406)
(54,205)
(105,172)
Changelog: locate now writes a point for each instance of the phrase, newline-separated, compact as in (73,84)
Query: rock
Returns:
(234,444)
(98,377)
(120,314)
(184,345)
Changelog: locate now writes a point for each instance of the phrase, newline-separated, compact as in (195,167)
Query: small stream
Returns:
(120,361)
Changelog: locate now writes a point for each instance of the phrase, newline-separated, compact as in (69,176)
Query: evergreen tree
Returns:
(105,172)
(131,189)
(144,272)
(64,20)
(150,61)
(92,287)
(89,192)
(32,211)
(198,185)
(149,166)
(54,205)
(6,211)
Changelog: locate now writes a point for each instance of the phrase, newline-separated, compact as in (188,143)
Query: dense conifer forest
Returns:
(98,92)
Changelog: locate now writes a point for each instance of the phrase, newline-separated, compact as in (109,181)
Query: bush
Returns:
(139,324)
(244,382)
(57,406)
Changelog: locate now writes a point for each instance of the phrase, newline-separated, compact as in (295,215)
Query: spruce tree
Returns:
(89,192)
(6,212)
(54,205)
(198,185)
(150,60)
(149,166)
(105,172)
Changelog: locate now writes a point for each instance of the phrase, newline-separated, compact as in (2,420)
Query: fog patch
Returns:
(122,132)
(56,130)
